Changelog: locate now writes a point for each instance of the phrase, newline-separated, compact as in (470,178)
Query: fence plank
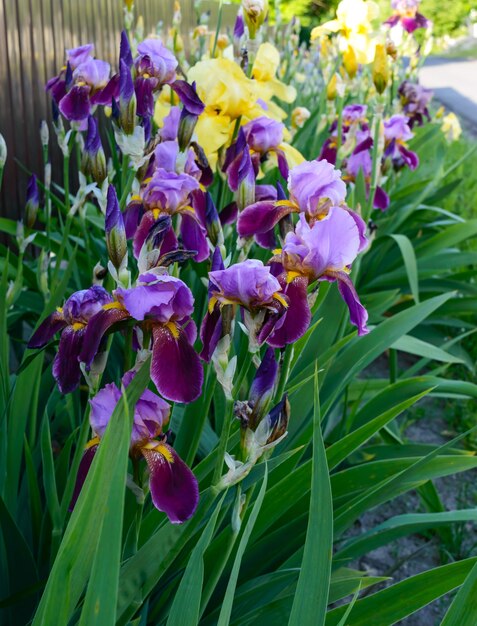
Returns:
(33,38)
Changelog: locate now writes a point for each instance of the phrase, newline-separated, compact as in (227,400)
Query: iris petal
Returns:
(66,367)
(176,368)
(174,488)
(47,329)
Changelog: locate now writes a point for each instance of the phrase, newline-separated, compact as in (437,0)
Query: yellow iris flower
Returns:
(353,25)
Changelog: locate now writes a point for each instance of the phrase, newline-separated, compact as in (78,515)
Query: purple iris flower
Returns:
(173,486)
(314,187)
(72,320)
(360,160)
(353,118)
(250,285)
(415,100)
(82,84)
(406,13)
(162,305)
(238,166)
(323,251)
(155,66)
(264,135)
(169,193)
(396,134)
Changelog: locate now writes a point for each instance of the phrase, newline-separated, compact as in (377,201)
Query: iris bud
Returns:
(32,202)
(115,230)
(380,69)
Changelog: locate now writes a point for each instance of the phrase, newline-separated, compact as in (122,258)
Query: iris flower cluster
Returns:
(261,255)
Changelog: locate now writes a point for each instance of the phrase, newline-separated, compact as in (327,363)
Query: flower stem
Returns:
(224,436)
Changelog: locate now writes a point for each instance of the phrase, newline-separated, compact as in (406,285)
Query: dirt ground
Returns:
(412,555)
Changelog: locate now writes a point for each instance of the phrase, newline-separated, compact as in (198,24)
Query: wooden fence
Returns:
(33,37)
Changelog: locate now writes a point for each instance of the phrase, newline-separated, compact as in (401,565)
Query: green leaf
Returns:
(104,483)
(311,598)
(412,345)
(401,526)
(20,567)
(463,610)
(186,606)
(363,350)
(100,602)
(390,605)
(338,451)
(410,263)
(226,610)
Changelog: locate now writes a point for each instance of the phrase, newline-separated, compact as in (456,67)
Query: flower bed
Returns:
(195,420)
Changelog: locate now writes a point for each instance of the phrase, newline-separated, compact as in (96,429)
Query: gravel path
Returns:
(454,82)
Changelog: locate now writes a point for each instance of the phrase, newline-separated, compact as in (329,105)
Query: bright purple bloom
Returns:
(325,251)
(76,56)
(354,113)
(406,13)
(396,133)
(250,285)
(171,125)
(264,135)
(82,84)
(314,187)
(360,160)
(173,486)
(162,304)
(155,66)
(151,413)
(73,320)
(155,59)
(170,193)
(414,100)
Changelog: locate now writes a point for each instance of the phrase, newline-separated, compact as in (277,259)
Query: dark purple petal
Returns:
(217,260)
(144,95)
(93,141)
(328,152)
(410,158)
(228,215)
(85,464)
(366,144)
(261,217)
(297,318)
(210,333)
(142,231)
(75,106)
(357,313)
(108,93)
(381,199)
(57,87)
(189,97)
(132,216)
(47,329)
(66,367)
(126,85)
(194,237)
(97,326)
(282,163)
(176,368)
(174,488)
(267,240)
